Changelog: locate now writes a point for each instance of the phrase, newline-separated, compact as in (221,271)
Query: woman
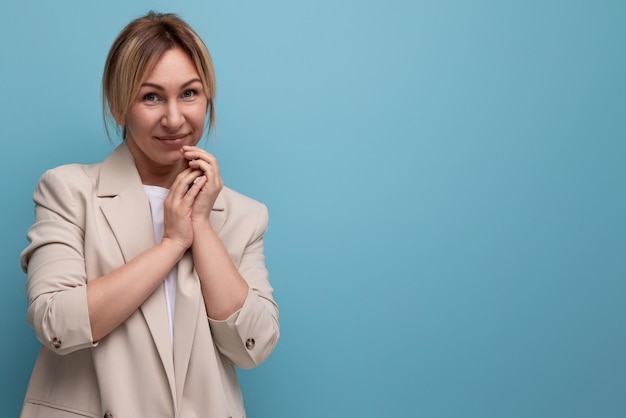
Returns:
(146,277)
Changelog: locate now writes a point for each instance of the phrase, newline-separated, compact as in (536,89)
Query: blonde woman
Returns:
(147,283)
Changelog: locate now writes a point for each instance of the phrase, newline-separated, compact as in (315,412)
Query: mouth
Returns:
(173,139)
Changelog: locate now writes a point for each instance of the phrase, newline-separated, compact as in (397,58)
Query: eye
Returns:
(150,97)
(188,94)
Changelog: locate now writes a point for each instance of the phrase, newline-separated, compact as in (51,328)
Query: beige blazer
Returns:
(91,219)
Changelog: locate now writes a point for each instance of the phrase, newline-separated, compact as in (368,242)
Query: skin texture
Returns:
(164,125)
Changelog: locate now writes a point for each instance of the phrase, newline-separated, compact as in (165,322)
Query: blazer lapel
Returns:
(127,210)
(188,304)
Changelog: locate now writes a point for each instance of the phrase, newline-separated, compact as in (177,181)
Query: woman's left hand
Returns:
(202,160)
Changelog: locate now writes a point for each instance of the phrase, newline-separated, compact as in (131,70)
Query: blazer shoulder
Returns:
(69,174)
(233,200)
(66,184)
(242,212)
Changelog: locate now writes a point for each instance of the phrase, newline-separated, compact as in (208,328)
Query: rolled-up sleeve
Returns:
(54,262)
(249,335)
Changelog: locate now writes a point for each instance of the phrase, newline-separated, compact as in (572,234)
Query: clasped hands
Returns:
(192,195)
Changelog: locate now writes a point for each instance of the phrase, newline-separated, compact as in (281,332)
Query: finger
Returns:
(200,164)
(203,160)
(195,187)
(210,170)
(184,180)
(195,153)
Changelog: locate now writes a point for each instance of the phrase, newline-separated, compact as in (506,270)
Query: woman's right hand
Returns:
(178,206)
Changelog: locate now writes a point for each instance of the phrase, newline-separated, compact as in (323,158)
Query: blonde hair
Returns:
(134,54)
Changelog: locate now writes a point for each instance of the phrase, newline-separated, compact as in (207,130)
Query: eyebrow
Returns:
(157,86)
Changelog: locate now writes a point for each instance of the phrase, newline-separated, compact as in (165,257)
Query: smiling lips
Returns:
(173,139)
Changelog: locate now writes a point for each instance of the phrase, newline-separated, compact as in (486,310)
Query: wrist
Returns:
(173,246)
(201,223)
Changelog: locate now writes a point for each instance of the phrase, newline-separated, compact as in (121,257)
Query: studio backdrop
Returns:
(446,183)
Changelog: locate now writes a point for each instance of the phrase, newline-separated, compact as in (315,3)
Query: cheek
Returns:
(138,122)
(198,117)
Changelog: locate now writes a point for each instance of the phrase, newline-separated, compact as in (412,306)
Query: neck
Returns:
(162,176)
(152,173)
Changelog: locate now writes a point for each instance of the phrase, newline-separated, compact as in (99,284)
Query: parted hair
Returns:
(134,54)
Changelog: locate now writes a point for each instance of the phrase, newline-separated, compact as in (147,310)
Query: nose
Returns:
(173,117)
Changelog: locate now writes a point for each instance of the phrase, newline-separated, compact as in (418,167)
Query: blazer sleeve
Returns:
(249,335)
(54,262)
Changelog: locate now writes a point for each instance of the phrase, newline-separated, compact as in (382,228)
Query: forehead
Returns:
(174,66)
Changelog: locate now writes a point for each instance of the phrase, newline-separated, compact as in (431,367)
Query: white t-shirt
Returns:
(157,196)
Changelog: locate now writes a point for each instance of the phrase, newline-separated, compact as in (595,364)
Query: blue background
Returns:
(446,185)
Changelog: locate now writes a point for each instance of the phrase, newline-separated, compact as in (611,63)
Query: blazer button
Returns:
(250,343)
(55,342)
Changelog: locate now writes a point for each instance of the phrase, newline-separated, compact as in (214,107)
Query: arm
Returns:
(223,288)
(257,319)
(66,311)
(54,261)
(237,294)
(120,288)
